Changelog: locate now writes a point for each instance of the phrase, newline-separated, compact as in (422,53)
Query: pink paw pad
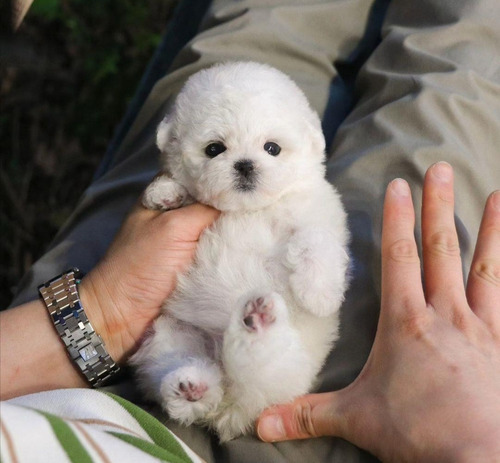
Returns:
(192,392)
(171,203)
(258,314)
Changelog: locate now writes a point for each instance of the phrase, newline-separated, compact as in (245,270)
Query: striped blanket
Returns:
(84,426)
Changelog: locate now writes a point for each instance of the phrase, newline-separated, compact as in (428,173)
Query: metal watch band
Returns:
(84,345)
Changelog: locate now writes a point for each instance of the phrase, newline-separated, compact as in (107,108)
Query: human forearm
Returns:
(32,356)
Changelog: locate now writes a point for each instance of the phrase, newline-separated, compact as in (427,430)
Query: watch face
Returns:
(87,353)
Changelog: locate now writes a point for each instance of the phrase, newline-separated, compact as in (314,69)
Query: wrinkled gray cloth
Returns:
(429,91)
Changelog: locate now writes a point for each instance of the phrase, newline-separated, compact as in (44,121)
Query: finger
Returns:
(444,286)
(401,275)
(187,223)
(308,416)
(483,286)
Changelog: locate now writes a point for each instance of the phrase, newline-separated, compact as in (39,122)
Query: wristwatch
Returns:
(85,347)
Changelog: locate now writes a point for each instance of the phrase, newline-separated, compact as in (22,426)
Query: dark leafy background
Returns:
(66,77)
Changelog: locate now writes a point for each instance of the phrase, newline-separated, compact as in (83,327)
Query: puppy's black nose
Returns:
(245,168)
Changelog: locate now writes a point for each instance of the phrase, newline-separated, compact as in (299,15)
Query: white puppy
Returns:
(252,321)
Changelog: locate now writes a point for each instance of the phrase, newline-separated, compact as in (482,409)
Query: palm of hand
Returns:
(140,270)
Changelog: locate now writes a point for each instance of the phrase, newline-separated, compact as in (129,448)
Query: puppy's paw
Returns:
(262,312)
(318,267)
(191,392)
(234,421)
(164,194)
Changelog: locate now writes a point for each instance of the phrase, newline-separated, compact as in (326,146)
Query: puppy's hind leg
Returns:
(265,362)
(260,344)
(173,367)
(193,391)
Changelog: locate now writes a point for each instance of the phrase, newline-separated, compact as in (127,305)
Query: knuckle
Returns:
(172,220)
(446,196)
(303,420)
(492,232)
(461,321)
(488,271)
(443,243)
(403,250)
(416,325)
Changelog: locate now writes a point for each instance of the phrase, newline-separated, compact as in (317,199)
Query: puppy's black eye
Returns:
(214,149)
(272,148)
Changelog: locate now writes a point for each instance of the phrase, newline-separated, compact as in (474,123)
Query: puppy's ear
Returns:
(316,134)
(163,133)
(167,142)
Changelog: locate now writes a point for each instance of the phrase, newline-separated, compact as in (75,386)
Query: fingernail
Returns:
(271,428)
(443,171)
(400,187)
(495,199)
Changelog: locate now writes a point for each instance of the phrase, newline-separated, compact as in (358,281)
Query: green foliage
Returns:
(74,65)
(107,44)
(47,9)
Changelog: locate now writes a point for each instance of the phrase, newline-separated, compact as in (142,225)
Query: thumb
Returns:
(199,215)
(187,223)
(312,415)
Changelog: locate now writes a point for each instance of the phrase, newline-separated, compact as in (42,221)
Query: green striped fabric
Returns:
(67,439)
(85,426)
(154,450)
(159,434)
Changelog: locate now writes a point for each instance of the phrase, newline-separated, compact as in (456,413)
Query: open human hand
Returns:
(430,390)
(124,293)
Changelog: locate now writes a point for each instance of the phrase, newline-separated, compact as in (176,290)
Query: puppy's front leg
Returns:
(318,265)
(164,193)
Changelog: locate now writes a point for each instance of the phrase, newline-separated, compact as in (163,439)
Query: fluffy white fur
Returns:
(252,321)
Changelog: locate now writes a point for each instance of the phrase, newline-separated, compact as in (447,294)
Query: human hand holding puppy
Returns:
(430,390)
(121,297)
(123,294)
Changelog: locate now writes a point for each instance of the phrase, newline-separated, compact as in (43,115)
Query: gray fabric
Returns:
(430,91)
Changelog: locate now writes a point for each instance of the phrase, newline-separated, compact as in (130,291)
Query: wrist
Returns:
(104,315)
(84,346)
(472,452)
